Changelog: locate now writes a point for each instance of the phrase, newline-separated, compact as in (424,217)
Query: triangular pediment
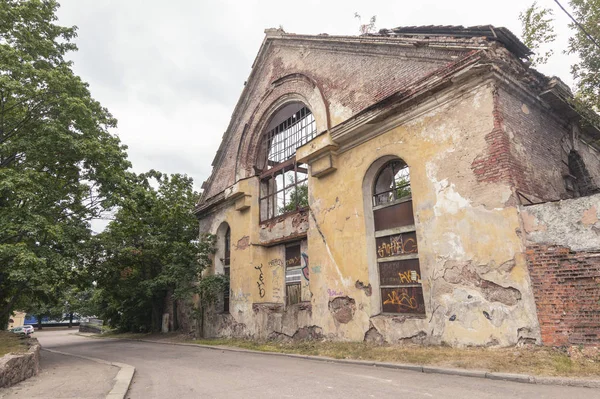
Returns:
(340,76)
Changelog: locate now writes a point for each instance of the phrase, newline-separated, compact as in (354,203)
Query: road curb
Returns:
(522,378)
(122,379)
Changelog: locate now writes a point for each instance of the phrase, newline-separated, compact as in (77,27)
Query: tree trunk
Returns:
(175,320)
(199,333)
(70,319)
(39,322)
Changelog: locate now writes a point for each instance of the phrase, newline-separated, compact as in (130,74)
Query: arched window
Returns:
(284,182)
(223,263)
(579,180)
(397,260)
(226,268)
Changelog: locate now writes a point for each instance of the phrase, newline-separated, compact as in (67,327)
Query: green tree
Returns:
(538,31)
(150,251)
(298,199)
(59,165)
(584,42)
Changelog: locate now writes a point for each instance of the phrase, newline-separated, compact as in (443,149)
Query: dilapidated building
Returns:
(402,186)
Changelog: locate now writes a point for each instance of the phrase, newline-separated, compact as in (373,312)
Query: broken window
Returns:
(293,273)
(578,181)
(400,282)
(284,182)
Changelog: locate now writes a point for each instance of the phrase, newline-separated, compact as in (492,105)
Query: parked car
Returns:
(25,330)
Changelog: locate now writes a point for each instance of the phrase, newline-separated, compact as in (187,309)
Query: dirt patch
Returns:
(366,288)
(243,243)
(342,308)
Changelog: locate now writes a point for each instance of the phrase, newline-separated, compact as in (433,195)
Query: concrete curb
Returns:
(522,378)
(122,379)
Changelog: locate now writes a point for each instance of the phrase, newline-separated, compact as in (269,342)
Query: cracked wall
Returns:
(464,226)
(474,271)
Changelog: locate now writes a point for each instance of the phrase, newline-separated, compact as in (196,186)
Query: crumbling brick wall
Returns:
(540,143)
(563,255)
(566,285)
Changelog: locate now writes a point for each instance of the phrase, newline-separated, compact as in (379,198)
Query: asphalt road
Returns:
(168,371)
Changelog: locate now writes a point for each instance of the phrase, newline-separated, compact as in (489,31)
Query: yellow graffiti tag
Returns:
(403,300)
(397,247)
(409,276)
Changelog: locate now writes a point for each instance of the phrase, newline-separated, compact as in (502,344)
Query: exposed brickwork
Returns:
(566,286)
(351,78)
(495,166)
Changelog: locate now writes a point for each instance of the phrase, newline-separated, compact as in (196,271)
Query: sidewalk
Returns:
(65,377)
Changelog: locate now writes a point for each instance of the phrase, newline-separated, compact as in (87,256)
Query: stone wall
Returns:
(16,368)
(563,254)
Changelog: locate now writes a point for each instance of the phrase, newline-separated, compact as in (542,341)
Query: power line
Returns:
(578,24)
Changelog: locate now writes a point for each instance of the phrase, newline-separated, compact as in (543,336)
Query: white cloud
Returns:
(171,72)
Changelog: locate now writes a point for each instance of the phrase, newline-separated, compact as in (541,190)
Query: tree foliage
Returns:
(538,30)
(587,71)
(59,165)
(150,251)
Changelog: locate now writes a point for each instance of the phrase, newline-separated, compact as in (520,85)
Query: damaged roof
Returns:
(492,33)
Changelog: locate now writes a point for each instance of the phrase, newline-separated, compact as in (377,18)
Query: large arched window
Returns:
(284,182)
(223,263)
(397,260)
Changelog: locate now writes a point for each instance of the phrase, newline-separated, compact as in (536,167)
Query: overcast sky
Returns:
(172,71)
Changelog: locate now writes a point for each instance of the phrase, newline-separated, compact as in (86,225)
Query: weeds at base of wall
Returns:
(575,361)
(534,360)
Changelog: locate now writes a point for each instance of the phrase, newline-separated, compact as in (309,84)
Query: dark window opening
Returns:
(398,266)
(579,181)
(226,269)
(293,273)
(284,182)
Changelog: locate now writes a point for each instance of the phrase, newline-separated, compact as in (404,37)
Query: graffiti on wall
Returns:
(277,282)
(305,270)
(394,245)
(401,299)
(315,269)
(275,263)
(240,296)
(334,292)
(261,281)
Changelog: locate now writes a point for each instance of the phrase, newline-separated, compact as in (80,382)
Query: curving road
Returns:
(168,371)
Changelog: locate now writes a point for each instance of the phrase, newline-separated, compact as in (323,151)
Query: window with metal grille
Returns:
(400,284)
(293,273)
(284,182)
(226,269)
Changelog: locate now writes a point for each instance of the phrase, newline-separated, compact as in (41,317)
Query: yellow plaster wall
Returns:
(463,226)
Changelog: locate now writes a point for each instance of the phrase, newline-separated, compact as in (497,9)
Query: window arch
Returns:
(223,262)
(284,182)
(579,180)
(396,249)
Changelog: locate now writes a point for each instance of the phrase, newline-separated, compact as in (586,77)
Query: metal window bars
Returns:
(392,184)
(285,138)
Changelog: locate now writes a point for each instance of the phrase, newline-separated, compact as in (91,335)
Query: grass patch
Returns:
(527,360)
(12,343)
(541,361)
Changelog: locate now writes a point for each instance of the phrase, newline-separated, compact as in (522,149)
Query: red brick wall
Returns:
(566,286)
